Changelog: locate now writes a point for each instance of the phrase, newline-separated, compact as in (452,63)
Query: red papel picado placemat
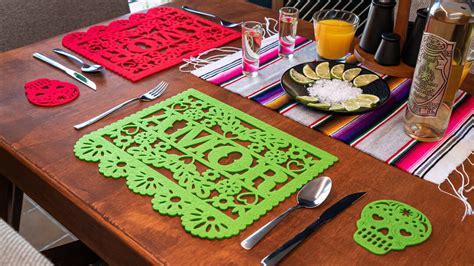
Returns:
(147,43)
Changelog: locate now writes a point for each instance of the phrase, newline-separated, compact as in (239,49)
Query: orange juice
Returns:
(334,37)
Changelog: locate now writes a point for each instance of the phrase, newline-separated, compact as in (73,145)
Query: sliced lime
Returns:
(307,99)
(350,74)
(364,80)
(323,105)
(309,72)
(353,100)
(364,102)
(322,70)
(374,99)
(337,70)
(351,105)
(299,78)
(336,107)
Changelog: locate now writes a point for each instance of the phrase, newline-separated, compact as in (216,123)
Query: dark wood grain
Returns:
(36,153)
(401,22)
(277,4)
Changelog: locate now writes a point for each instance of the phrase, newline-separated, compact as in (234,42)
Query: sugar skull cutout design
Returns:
(387,225)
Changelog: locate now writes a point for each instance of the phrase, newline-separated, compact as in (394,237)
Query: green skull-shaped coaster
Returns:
(387,225)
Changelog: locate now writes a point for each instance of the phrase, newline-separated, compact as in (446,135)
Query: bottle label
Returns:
(430,80)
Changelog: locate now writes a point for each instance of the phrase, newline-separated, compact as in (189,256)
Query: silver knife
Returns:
(327,215)
(79,77)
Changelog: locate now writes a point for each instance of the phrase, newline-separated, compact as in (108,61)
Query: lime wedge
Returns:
(307,99)
(364,102)
(322,105)
(299,78)
(364,80)
(351,105)
(309,73)
(336,107)
(350,74)
(353,100)
(337,70)
(322,70)
(374,99)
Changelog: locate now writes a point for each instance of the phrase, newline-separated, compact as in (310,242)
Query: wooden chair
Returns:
(15,250)
(25,21)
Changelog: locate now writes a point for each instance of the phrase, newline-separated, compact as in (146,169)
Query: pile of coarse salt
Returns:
(333,91)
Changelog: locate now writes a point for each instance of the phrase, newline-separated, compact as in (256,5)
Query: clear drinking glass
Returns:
(252,33)
(334,32)
(287,25)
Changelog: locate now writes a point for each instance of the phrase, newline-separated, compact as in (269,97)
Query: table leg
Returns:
(17,204)
(11,201)
(6,191)
(74,253)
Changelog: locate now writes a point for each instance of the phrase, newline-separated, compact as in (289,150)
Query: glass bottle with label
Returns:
(445,49)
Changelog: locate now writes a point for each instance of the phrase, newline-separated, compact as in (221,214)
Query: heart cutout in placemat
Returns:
(45,92)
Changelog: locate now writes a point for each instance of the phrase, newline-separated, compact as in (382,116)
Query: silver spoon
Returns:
(224,23)
(310,196)
(84,67)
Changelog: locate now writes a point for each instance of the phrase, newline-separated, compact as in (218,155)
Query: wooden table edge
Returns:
(7,158)
(140,254)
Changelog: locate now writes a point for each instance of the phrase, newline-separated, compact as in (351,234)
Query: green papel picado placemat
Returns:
(215,166)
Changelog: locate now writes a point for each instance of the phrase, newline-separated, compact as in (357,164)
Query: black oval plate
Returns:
(378,88)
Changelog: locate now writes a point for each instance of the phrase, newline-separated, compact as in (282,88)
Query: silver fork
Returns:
(154,93)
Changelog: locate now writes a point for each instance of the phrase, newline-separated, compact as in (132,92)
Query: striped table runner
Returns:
(378,133)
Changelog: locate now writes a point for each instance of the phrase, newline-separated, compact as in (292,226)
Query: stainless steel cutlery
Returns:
(154,93)
(311,195)
(84,67)
(75,75)
(327,216)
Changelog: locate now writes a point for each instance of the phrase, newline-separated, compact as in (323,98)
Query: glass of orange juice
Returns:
(334,32)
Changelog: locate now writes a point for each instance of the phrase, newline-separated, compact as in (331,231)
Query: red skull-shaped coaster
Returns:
(45,92)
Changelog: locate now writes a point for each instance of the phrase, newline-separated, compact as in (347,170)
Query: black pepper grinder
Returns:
(412,46)
(379,20)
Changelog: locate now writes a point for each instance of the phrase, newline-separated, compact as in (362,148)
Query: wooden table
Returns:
(36,154)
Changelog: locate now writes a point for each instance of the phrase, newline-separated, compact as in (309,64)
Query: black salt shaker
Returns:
(379,20)
(412,45)
(388,53)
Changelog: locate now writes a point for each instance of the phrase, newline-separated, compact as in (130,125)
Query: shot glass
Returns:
(287,24)
(334,32)
(252,33)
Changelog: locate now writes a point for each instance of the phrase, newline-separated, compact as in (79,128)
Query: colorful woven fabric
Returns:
(215,166)
(148,42)
(45,92)
(378,133)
